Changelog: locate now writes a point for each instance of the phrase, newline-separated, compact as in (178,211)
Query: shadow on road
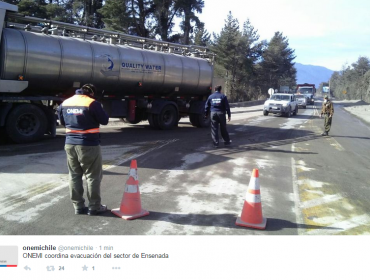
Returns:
(220,220)
(269,136)
(351,137)
(279,224)
(142,137)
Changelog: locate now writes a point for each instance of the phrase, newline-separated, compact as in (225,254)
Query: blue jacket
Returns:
(217,102)
(82,115)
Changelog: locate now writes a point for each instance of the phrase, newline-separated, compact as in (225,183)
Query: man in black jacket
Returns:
(218,105)
(82,115)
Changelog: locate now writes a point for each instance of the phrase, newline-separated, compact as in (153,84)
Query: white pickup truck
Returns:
(281,103)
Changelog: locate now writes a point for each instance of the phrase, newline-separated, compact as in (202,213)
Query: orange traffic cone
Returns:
(133,170)
(131,203)
(252,210)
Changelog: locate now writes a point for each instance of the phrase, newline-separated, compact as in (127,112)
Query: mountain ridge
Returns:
(312,74)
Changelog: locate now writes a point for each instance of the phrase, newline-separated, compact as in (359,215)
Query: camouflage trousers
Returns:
(84,160)
(327,124)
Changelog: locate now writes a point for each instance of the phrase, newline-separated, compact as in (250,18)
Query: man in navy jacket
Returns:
(82,115)
(218,105)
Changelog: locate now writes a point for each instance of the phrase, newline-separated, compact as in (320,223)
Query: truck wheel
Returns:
(265,113)
(193,120)
(168,118)
(26,123)
(295,111)
(200,121)
(153,120)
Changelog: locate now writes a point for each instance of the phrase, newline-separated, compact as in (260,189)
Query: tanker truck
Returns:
(43,62)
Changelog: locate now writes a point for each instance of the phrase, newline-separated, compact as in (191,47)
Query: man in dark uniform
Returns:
(327,109)
(81,115)
(218,105)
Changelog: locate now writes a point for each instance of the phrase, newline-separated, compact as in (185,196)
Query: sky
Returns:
(329,33)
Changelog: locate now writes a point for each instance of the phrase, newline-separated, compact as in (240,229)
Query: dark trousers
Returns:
(218,119)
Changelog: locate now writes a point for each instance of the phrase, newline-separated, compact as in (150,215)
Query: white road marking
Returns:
(312,183)
(296,198)
(342,226)
(320,201)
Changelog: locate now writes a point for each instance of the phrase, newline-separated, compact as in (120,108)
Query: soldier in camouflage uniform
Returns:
(327,110)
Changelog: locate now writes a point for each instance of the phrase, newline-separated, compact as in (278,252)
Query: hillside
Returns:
(312,74)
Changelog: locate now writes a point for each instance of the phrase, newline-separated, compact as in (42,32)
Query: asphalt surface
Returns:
(309,184)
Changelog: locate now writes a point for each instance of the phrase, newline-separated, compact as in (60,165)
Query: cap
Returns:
(325,97)
(90,88)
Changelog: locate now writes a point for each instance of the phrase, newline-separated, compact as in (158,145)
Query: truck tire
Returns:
(26,123)
(198,120)
(167,119)
(193,120)
(265,113)
(153,120)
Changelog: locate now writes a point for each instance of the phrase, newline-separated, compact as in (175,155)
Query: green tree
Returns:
(352,82)
(252,51)
(86,12)
(237,55)
(277,66)
(187,9)
(32,8)
(115,15)
(361,66)
(141,14)
(227,47)
(201,37)
(59,12)
(164,14)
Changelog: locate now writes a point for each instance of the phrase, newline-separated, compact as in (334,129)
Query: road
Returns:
(310,185)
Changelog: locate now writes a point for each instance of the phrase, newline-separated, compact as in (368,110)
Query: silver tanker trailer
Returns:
(43,62)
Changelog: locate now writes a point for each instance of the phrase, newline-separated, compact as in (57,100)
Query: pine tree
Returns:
(277,66)
(252,51)
(361,66)
(115,15)
(32,8)
(226,46)
(236,56)
(201,37)
(141,14)
(186,9)
(164,14)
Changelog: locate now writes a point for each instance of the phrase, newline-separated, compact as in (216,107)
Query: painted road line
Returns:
(335,144)
(296,198)
(320,201)
(342,226)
